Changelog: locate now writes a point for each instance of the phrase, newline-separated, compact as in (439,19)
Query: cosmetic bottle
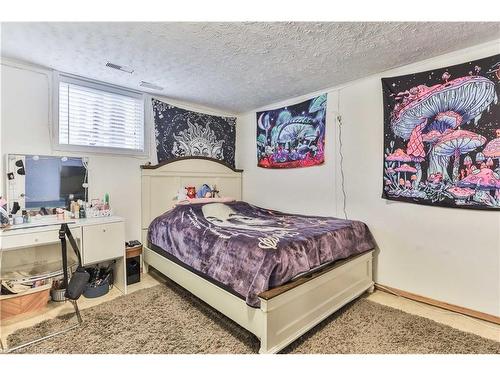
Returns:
(82,211)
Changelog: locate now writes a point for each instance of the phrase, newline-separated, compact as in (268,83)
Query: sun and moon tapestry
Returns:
(442,136)
(182,133)
(292,136)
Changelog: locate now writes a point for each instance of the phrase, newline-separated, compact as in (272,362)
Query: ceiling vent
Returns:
(126,69)
(150,85)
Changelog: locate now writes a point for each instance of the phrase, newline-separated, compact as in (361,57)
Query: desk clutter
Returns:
(77,210)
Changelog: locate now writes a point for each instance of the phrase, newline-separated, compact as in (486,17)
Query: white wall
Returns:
(25,122)
(447,254)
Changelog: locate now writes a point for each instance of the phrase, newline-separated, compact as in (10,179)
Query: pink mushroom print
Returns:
(454,144)
(440,147)
(483,179)
(430,110)
(431,137)
(415,149)
(429,104)
(462,194)
(492,149)
(405,168)
(400,157)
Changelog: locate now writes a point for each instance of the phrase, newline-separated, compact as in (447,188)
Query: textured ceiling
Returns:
(236,66)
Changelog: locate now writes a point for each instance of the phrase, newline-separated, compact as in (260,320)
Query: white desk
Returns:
(100,239)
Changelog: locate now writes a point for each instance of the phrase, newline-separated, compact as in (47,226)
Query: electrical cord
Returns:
(344,194)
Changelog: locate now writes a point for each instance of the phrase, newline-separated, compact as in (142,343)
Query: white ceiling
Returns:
(236,66)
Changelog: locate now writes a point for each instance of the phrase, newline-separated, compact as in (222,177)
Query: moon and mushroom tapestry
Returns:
(292,136)
(183,133)
(442,136)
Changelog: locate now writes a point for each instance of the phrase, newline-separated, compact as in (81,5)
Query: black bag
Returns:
(77,283)
(80,277)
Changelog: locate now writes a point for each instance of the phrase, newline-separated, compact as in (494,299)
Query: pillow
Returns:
(204,200)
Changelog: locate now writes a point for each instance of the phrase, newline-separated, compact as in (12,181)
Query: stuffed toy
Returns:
(204,192)
(191,192)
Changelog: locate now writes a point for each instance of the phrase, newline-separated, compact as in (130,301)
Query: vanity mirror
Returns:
(42,183)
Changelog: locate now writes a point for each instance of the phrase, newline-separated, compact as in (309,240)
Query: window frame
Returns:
(81,81)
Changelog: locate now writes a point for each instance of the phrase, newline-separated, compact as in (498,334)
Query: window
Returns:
(97,117)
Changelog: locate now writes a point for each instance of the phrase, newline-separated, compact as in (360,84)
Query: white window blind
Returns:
(94,117)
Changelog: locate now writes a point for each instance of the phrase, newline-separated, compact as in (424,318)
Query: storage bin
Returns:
(96,291)
(29,301)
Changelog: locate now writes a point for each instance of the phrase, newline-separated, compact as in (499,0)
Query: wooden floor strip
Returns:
(440,304)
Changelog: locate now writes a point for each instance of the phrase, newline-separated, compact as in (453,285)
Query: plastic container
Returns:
(57,295)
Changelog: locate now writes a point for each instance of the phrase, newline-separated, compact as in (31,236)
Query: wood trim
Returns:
(443,305)
(271,293)
(131,252)
(149,166)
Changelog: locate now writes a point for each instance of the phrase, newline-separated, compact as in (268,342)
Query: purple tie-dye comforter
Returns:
(249,249)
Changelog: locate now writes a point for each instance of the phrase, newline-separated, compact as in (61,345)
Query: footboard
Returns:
(286,312)
(292,312)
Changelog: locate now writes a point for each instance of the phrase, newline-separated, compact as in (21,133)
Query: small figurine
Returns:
(215,192)
(191,191)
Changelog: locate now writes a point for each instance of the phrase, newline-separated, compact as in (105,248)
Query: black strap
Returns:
(63,232)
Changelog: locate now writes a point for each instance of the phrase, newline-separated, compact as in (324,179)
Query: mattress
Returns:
(248,249)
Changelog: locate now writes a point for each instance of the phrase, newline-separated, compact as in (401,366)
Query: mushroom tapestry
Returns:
(293,136)
(182,133)
(442,136)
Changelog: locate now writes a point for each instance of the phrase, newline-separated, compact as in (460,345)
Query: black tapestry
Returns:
(442,136)
(181,133)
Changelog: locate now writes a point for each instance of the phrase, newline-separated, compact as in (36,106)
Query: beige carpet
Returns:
(167,319)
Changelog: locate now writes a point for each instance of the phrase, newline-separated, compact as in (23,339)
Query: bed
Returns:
(275,274)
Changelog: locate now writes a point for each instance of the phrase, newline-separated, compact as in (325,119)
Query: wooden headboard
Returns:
(161,183)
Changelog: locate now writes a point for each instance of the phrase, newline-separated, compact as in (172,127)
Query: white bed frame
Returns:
(286,312)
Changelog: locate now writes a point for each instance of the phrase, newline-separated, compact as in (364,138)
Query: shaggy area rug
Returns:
(168,319)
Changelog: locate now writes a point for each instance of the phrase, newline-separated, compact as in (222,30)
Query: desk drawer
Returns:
(35,239)
(103,242)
